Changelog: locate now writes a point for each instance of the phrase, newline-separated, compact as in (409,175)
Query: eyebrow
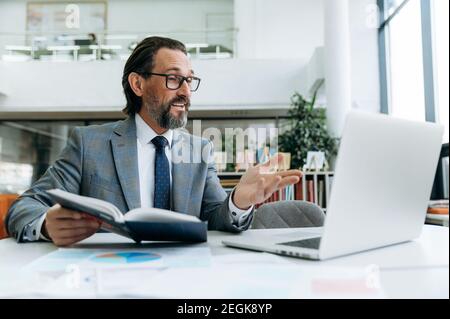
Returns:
(178,69)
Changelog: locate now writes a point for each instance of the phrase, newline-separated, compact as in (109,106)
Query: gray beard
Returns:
(161,114)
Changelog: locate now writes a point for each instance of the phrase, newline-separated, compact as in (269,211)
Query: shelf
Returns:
(317,173)
(441,220)
(314,187)
(231,174)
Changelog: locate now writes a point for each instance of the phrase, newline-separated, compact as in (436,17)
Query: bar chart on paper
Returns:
(125,257)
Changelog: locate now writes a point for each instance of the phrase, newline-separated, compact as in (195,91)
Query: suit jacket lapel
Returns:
(124,147)
(181,172)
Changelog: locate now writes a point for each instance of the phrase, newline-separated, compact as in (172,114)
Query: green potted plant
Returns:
(307,131)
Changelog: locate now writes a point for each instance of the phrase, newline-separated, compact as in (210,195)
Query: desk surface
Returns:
(417,269)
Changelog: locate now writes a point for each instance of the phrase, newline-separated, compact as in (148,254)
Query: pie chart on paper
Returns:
(125,258)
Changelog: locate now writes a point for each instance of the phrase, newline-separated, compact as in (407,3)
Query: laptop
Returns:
(382,184)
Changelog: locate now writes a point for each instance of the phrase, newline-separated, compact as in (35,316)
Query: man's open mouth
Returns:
(181,106)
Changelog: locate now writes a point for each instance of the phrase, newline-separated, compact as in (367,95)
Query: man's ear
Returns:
(136,83)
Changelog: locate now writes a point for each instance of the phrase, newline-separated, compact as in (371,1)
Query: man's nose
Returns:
(185,90)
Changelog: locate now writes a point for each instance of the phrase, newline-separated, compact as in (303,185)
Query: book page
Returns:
(158,215)
(93,206)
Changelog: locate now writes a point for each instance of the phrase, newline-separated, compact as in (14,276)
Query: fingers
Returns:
(273,186)
(73,224)
(266,186)
(279,182)
(106,226)
(65,227)
(57,212)
(61,242)
(260,192)
(265,189)
(293,172)
(89,217)
(291,180)
(293,175)
(261,181)
(76,232)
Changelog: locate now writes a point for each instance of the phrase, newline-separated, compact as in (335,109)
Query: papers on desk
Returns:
(80,272)
(261,282)
(158,257)
(190,272)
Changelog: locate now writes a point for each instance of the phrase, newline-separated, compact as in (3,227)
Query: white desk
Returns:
(418,269)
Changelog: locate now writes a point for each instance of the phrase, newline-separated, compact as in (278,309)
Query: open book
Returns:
(138,224)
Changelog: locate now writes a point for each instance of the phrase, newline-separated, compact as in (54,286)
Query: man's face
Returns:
(168,108)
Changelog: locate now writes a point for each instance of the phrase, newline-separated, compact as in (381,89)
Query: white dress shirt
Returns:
(146,165)
(146,159)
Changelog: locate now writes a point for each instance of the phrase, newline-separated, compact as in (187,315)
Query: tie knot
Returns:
(160,142)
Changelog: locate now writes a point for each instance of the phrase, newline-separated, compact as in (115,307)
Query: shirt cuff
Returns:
(239,216)
(32,231)
(41,222)
(39,227)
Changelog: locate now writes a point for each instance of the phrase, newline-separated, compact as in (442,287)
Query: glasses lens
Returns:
(173,82)
(194,84)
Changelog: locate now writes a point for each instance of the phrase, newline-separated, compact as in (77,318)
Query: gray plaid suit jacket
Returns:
(101,161)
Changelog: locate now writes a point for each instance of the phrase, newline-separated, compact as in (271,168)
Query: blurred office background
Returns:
(61,64)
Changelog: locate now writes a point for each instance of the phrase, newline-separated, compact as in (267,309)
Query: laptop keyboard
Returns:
(312,243)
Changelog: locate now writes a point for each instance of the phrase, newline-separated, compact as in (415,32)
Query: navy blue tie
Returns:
(162,174)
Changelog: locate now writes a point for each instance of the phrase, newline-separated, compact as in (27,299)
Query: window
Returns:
(414,60)
(441,26)
(27,148)
(407,90)
(393,5)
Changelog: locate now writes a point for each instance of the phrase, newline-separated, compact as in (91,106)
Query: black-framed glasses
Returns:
(174,81)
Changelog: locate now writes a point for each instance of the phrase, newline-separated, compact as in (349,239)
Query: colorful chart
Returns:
(125,257)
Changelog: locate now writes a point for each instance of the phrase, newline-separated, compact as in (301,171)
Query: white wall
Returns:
(94,86)
(250,83)
(278,28)
(12,15)
(61,86)
(12,20)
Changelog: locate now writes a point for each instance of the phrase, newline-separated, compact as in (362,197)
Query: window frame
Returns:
(428,58)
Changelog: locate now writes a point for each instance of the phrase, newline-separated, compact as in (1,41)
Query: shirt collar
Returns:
(145,133)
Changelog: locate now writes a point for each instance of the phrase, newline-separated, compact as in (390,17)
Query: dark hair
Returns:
(140,61)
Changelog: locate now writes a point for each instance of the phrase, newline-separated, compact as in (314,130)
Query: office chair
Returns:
(288,214)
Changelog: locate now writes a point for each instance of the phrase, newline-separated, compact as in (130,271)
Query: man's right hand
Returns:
(66,227)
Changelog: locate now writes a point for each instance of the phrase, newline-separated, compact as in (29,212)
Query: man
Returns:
(131,164)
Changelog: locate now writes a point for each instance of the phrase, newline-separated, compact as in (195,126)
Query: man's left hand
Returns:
(261,181)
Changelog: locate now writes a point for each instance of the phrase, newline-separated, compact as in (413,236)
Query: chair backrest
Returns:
(5,202)
(288,214)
